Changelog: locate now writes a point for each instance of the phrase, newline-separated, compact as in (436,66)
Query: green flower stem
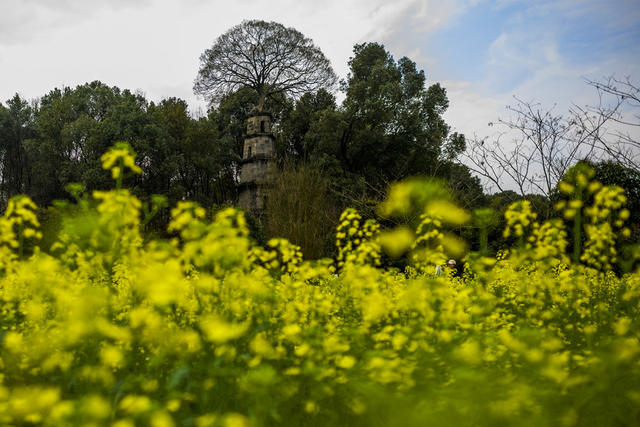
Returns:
(484,241)
(577,230)
(121,174)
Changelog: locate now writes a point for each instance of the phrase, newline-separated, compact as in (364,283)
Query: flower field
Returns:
(209,329)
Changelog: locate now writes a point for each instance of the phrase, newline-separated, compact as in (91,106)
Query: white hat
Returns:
(451,262)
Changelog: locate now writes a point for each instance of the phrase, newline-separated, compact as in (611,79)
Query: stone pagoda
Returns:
(257,161)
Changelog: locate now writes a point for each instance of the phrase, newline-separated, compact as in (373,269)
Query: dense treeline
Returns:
(60,139)
(388,127)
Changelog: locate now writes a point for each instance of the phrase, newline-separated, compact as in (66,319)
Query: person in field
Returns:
(449,266)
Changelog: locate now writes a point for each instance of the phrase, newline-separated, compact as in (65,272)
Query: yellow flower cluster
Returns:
(548,242)
(428,247)
(118,158)
(209,329)
(19,222)
(356,239)
(280,255)
(604,218)
(520,218)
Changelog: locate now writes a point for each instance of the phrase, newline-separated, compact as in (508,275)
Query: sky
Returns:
(483,52)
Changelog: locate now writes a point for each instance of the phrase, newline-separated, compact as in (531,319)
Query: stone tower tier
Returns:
(259,123)
(255,157)
(257,161)
(252,197)
(258,145)
(256,171)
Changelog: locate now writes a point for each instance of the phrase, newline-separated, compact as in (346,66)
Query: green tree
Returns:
(159,148)
(389,126)
(208,165)
(394,122)
(299,137)
(16,127)
(75,126)
(181,157)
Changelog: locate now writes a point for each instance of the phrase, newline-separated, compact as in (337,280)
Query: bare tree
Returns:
(492,162)
(540,146)
(265,56)
(619,104)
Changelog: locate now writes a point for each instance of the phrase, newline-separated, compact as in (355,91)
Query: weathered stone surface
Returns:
(258,145)
(257,161)
(252,198)
(256,171)
(259,123)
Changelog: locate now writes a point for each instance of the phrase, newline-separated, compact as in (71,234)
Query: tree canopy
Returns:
(265,56)
(394,124)
(60,140)
(388,127)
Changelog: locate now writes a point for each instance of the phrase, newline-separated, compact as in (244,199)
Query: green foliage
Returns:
(394,125)
(16,126)
(302,134)
(389,127)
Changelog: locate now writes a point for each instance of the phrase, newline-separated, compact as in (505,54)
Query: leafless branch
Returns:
(265,56)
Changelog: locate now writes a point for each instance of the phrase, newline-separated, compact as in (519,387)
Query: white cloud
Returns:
(27,20)
(470,111)
(154,45)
